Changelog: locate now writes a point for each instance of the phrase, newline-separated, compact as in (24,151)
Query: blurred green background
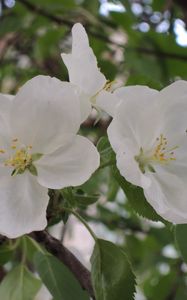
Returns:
(136,42)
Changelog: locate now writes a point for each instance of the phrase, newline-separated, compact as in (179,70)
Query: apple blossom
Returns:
(39,149)
(85,74)
(148,134)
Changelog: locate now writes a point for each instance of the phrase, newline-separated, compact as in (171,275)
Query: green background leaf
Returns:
(136,198)
(58,279)
(181,235)
(112,276)
(19,284)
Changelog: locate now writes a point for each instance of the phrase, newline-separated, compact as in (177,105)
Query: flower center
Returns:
(159,154)
(107,87)
(21,158)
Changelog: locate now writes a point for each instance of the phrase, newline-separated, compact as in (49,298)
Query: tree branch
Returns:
(60,21)
(176,283)
(161,54)
(42,12)
(63,254)
(3,239)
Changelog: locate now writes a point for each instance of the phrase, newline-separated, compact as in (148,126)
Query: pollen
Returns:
(20,159)
(160,153)
(108,85)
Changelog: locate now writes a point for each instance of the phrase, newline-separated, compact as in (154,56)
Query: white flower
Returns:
(85,74)
(149,135)
(39,149)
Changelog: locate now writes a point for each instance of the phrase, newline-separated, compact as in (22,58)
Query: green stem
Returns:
(108,163)
(14,244)
(24,250)
(82,221)
(36,245)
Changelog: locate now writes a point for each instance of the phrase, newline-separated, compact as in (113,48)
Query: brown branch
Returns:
(60,21)
(63,254)
(8,40)
(3,239)
(160,54)
(55,247)
(40,11)
(177,282)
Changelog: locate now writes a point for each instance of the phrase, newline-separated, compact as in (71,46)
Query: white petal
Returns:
(126,162)
(5,108)
(141,116)
(171,94)
(5,105)
(136,115)
(173,104)
(23,204)
(82,64)
(167,194)
(85,105)
(10,97)
(44,110)
(70,165)
(108,102)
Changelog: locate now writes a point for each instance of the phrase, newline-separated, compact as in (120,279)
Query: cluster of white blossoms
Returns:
(40,148)
(149,135)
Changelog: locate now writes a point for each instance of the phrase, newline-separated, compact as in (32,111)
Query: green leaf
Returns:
(68,196)
(36,156)
(107,155)
(58,279)
(136,198)
(161,290)
(33,170)
(19,284)
(30,247)
(77,198)
(180,236)
(5,254)
(83,200)
(112,276)
(91,6)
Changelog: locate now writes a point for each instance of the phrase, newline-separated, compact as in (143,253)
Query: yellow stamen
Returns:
(20,160)
(159,154)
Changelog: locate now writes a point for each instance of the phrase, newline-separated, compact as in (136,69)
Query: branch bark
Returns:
(40,11)
(54,246)
(161,54)
(60,21)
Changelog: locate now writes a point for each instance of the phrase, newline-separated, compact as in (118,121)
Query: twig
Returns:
(40,11)
(61,21)
(3,239)
(176,283)
(62,253)
(159,53)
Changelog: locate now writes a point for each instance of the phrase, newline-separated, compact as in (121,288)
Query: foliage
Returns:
(130,47)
